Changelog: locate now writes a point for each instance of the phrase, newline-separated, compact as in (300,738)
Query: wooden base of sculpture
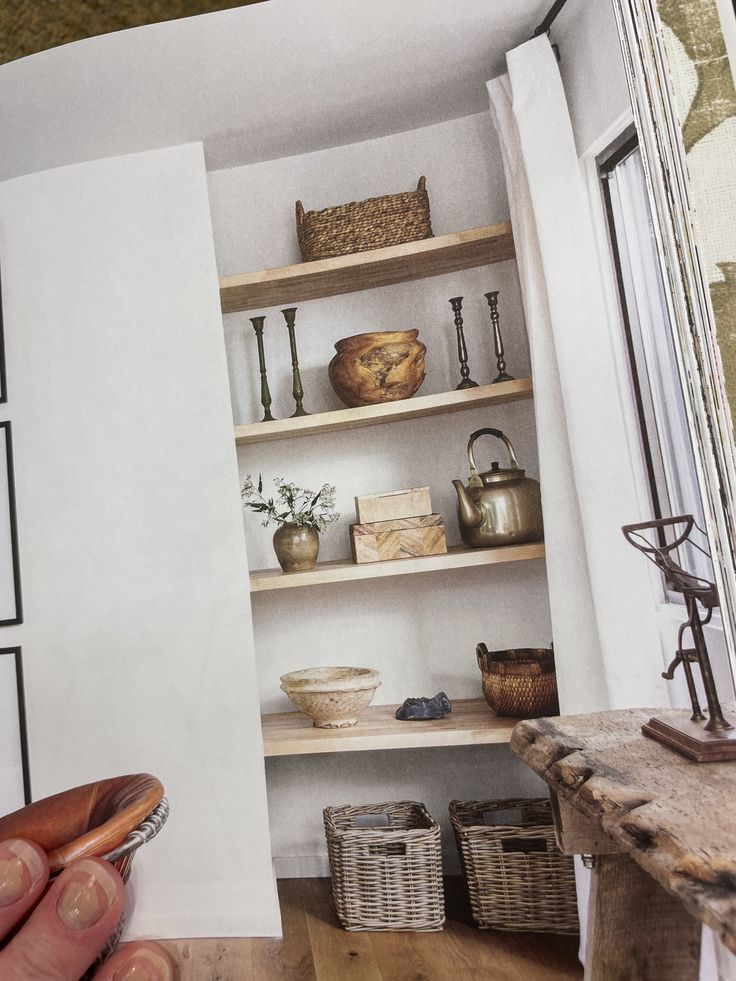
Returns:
(692,739)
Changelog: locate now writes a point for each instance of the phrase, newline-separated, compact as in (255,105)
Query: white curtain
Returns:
(602,602)
(606,635)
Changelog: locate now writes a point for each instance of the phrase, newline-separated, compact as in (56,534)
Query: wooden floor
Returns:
(315,948)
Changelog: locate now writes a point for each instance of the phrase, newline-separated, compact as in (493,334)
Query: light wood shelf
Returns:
(366,270)
(376,415)
(471,723)
(345,570)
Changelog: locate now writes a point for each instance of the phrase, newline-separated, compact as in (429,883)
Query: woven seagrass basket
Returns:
(517,877)
(386,877)
(363,225)
(519,683)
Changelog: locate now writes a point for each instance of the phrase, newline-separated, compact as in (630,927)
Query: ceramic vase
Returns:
(384,366)
(296,547)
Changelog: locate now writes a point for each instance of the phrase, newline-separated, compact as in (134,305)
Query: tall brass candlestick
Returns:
(297,390)
(265,390)
(462,352)
(502,375)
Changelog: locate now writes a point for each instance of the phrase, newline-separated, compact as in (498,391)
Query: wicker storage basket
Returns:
(386,878)
(517,877)
(362,225)
(521,683)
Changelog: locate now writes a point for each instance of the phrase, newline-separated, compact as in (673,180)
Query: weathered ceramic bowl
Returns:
(370,369)
(332,697)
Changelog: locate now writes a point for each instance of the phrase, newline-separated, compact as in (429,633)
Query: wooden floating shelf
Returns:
(346,571)
(366,270)
(376,415)
(471,723)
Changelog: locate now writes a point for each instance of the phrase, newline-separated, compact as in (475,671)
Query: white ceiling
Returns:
(258,82)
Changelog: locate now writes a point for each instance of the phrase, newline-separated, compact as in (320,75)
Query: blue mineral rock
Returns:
(424,708)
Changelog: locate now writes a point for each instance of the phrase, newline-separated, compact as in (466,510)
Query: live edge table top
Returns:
(674,817)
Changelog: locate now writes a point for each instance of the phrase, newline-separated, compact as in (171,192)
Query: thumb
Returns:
(68,928)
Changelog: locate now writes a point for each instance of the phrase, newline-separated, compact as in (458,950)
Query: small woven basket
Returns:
(517,877)
(363,225)
(386,877)
(520,683)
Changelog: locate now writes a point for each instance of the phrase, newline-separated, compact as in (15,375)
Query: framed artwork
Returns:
(11,609)
(15,783)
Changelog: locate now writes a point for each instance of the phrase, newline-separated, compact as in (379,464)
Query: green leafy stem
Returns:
(292,505)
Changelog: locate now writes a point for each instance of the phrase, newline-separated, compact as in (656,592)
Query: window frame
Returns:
(656,471)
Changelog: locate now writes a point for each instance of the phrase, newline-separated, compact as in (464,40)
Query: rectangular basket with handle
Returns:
(386,865)
(517,877)
(360,226)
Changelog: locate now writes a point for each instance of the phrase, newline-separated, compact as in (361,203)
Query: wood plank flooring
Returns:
(316,948)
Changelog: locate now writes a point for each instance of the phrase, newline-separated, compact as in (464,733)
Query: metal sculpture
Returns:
(716,740)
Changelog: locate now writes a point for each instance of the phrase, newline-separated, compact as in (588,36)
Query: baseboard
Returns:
(318,866)
(301,866)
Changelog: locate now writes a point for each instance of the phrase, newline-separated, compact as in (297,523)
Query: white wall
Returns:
(592,68)
(137,639)
(419,631)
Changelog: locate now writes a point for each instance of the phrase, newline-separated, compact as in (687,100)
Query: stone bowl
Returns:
(383,366)
(332,697)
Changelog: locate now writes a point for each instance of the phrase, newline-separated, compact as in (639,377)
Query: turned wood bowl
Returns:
(109,819)
(332,697)
(385,366)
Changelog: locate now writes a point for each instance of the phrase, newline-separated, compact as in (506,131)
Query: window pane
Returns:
(663,417)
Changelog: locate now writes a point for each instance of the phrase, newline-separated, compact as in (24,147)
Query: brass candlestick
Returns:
(296,389)
(462,352)
(265,390)
(502,375)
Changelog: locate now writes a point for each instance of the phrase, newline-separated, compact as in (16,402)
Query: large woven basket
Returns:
(390,877)
(517,877)
(519,683)
(363,225)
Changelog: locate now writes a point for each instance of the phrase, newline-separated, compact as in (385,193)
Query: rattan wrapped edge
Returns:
(122,858)
(361,226)
(515,889)
(386,879)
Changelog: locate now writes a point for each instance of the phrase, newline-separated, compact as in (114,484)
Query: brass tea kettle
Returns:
(498,507)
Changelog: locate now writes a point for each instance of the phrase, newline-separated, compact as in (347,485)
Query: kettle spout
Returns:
(469,512)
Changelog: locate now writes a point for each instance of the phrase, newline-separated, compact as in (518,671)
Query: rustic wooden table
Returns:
(663,833)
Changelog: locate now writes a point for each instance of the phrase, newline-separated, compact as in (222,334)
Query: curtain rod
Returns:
(549,19)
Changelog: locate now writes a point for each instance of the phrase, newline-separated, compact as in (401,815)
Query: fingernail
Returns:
(87,894)
(146,965)
(20,869)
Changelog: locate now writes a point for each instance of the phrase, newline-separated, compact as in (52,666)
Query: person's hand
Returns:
(68,926)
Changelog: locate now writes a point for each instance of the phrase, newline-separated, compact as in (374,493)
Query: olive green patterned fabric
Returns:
(706,101)
(29,26)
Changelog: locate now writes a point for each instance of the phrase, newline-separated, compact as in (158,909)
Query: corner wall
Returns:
(419,631)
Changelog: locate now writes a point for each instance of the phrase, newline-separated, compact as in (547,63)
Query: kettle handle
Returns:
(490,432)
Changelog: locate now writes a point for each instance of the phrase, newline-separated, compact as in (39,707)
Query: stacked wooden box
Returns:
(398,525)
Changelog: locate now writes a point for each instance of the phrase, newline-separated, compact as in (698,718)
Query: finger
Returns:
(142,960)
(69,927)
(24,871)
